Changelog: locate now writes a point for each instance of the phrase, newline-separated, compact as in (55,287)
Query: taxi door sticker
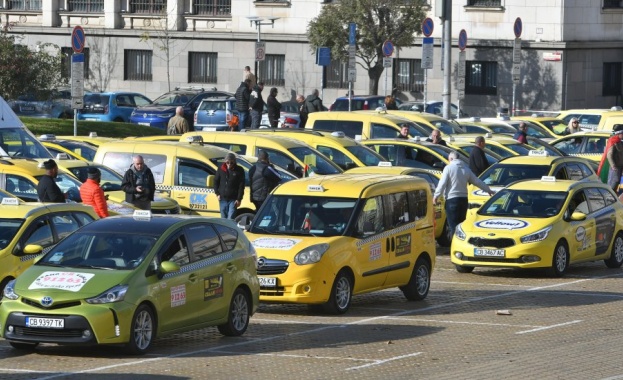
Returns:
(199,201)
(403,244)
(213,287)
(178,295)
(375,251)
(71,281)
(583,238)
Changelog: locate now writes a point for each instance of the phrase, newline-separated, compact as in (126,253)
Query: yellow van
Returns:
(429,120)
(321,240)
(292,155)
(363,124)
(589,119)
(609,120)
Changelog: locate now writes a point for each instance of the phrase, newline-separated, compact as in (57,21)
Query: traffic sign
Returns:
(260,51)
(427,52)
(352,33)
(518,27)
(352,75)
(388,48)
(462,39)
(77,81)
(78,39)
(427,26)
(323,56)
(387,62)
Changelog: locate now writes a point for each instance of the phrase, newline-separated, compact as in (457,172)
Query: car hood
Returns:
(501,226)
(117,198)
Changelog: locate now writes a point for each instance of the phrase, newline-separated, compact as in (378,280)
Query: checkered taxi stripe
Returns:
(201,264)
(385,234)
(31,257)
(208,190)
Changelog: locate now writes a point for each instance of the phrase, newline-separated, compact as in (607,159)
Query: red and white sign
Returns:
(71,281)
(555,56)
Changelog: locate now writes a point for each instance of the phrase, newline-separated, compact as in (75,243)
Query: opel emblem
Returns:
(145,115)
(260,262)
(47,301)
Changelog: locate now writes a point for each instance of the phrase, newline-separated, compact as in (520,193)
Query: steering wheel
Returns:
(550,211)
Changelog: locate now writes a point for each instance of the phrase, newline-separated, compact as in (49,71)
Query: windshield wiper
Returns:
(92,267)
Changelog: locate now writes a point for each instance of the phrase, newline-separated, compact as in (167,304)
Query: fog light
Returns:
(530,259)
(458,255)
(10,329)
(86,334)
(117,330)
(307,288)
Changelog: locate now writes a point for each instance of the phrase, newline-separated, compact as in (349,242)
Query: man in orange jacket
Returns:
(92,194)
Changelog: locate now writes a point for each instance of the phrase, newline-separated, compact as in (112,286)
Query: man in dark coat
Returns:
(313,103)
(243,95)
(263,178)
(47,189)
(477,158)
(257,105)
(522,133)
(274,108)
(139,184)
(229,186)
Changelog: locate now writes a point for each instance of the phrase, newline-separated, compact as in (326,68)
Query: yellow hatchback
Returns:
(546,223)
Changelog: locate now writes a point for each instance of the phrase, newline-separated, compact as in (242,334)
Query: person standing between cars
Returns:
(256,102)
(47,189)
(614,155)
(247,74)
(390,103)
(274,108)
(92,194)
(522,133)
(453,186)
(313,103)
(300,99)
(178,124)
(435,138)
(478,162)
(229,186)
(263,179)
(243,93)
(573,126)
(603,170)
(139,184)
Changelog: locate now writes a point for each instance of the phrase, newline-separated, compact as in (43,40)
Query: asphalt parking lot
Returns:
(490,324)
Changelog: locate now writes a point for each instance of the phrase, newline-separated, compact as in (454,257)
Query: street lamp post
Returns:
(258,25)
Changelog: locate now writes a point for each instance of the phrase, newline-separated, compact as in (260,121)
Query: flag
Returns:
(307,221)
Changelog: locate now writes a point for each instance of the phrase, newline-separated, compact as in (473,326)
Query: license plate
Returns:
(268,281)
(49,323)
(27,108)
(145,124)
(489,252)
(90,119)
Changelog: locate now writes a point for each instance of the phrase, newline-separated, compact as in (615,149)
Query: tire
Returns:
(142,331)
(616,257)
(463,268)
(239,314)
(560,260)
(24,346)
(341,294)
(419,283)
(118,120)
(444,240)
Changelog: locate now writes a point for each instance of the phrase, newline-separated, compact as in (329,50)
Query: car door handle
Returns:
(231,268)
(192,277)
(180,196)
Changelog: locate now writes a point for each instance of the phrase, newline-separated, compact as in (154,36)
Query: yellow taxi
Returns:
(590,119)
(92,139)
(429,120)
(536,165)
(589,145)
(75,150)
(483,126)
(553,124)
(23,225)
(321,240)
(534,130)
(544,223)
(466,147)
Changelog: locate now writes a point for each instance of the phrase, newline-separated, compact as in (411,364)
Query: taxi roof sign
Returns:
(62,156)
(142,214)
(548,178)
(385,164)
(338,134)
(47,137)
(315,188)
(538,153)
(92,134)
(194,139)
(8,201)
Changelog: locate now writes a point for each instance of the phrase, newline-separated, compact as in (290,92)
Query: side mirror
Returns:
(32,249)
(210,181)
(169,267)
(577,216)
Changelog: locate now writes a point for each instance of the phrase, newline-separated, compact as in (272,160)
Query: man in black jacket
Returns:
(47,189)
(477,158)
(139,184)
(229,186)
(263,179)
(257,105)
(313,103)
(243,94)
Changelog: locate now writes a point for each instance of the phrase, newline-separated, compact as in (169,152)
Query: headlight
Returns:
(311,254)
(114,294)
(9,291)
(537,236)
(458,232)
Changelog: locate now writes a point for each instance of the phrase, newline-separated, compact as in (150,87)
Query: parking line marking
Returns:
(549,327)
(379,362)
(299,356)
(285,321)
(461,322)
(586,294)
(480,283)
(13,370)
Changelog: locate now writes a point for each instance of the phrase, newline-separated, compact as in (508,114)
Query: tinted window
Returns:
(370,220)
(608,197)
(229,236)
(350,128)
(193,174)
(176,251)
(204,241)
(595,199)
(64,224)
(8,229)
(418,203)
(313,161)
(83,218)
(397,209)
(40,233)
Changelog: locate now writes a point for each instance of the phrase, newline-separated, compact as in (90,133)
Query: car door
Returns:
(373,246)
(399,211)
(581,236)
(605,218)
(191,189)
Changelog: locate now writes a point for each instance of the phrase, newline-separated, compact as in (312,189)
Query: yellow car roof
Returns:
(308,136)
(153,147)
(97,141)
(243,138)
(394,170)
(25,209)
(25,166)
(548,185)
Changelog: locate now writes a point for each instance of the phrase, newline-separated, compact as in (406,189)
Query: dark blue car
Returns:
(158,113)
(111,106)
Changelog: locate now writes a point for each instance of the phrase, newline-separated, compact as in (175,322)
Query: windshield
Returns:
(300,215)
(111,180)
(174,99)
(524,204)
(316,163)
(8,230)
(541,145)
(366,155)
(19,142)
(83,150)
(105,250)
(446,127)
(502,175)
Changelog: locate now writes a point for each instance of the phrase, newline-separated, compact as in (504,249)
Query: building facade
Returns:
(571,50)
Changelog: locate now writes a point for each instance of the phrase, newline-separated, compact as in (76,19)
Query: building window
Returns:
(66,53)
(481,78)
(148,6)
(613,4)
(86,6)
(202,67)
(612,79)
(485,3)
(409,75)
(272,71)
(137,65)
(24,5)
(337,74)
(212,7)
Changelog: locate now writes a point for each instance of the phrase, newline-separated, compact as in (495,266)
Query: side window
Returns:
(280,159)
(83,218)
(397,209)
(574,172)
(429,159)
(236,148)
(578,203)
(336,156)
(370,220)
(325,125)
(118,161)
(608,197)
(156,163)
(192,173)
(141,101)
(383,131)
(40,233)
(64,224)
(561,173)
(418,203)
(595,199)
(432,180)
(229,236)
(204,241)
(176,251)
(586,171)
(21,187)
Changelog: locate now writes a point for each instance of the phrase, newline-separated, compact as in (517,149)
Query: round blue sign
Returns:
(427,26)
(78,39)
(388,48)
(462,39)
(517,28)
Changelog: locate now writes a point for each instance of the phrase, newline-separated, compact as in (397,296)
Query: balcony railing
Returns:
(86,6)
(485,3)
(148,6)
(24,5)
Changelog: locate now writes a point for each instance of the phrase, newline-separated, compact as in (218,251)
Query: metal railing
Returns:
(212,7)
(24,5)
(86,6)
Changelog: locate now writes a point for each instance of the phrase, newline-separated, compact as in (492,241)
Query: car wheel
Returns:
(616,257)
(419,283)
(444,240)
(239,314)
(560,260)
(24,346)
(463,268)
(341,294)
(142,331)
(118,120)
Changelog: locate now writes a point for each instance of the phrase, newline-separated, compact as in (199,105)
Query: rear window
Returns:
(350,128)
(213,106)
(95,103)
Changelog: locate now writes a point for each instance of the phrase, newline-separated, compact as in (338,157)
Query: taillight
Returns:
(366,106)
(289,120)
(331,107)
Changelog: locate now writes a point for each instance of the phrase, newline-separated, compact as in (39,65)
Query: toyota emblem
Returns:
(47,301)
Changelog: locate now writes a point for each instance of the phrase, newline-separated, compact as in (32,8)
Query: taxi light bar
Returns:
(358,138)
(47,137)
(142,214)
(194,139)
(8,201)
(62,156)
(488,135)
(315,188)
(504,118)
(385,164)
(338,134)
(616,108)
(416,139)
(474,118)
(538,153)
(548,178)
(92,134)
